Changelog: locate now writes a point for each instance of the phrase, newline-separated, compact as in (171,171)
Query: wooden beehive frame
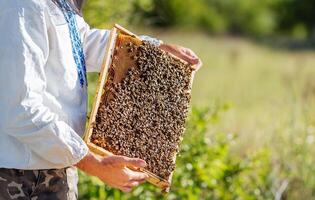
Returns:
(117,29)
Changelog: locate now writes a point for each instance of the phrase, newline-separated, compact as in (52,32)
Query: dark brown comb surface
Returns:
(144,107)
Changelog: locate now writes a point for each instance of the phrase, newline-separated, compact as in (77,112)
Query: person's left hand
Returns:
(116,171)
(184,53)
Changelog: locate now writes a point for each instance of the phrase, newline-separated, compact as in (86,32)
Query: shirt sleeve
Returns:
(23,55)
(94,45)
(151,40)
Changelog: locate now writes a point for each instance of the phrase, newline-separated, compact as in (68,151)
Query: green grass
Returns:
(269,95)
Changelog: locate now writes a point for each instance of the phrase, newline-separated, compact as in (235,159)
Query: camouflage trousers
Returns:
(52,184)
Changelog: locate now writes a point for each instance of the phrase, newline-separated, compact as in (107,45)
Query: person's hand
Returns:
(115,170)
(184,53)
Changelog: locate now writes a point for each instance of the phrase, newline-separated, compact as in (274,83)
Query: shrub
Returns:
(104,13)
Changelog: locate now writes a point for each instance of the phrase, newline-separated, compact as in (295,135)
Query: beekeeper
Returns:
(46,48)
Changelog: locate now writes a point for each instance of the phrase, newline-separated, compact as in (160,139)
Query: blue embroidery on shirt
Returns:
(77,49)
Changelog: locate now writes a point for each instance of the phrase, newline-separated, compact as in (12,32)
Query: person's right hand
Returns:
(115,170)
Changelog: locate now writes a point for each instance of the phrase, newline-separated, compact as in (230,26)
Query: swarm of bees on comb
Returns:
(144,105)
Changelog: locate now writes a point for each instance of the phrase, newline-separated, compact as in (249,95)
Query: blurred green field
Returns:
(262,99)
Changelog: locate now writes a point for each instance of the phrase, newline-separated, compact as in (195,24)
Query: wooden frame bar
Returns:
(154,179)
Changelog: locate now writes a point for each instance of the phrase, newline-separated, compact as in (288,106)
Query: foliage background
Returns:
(256,18)
(251,129)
